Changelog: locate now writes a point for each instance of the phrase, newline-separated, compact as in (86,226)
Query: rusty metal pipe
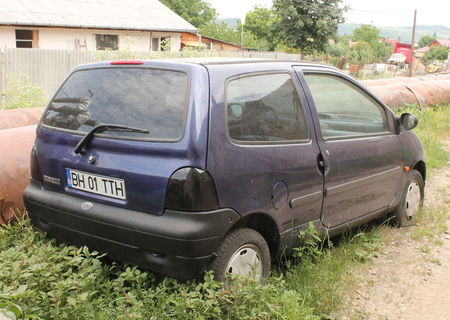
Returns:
(404,80)
(15,118)
(14,169)
(395,96)
(422,91)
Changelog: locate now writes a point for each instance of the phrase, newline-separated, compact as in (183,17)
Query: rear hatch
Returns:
(121,168)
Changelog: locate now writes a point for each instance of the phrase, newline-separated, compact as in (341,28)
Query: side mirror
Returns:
(408,121)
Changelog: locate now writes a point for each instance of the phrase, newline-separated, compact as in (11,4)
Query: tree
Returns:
(225,32)
(425,40)
(308,24)
(435,53)
(261,23)
(369,49)
(366,33)
(196,12)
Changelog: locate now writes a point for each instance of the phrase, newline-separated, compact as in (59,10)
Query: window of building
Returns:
(26,38)
(265,108)
(208,45)
(155,44)
(165,43)
(107,41)
(161,44)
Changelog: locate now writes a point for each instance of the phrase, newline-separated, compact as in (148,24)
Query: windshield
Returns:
(150,99)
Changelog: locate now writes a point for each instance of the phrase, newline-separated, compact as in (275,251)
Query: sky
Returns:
(376,12)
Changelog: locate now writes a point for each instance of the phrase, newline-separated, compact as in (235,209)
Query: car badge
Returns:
(52,180)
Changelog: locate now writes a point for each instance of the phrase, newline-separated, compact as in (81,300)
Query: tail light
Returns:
(191,189)
(34,165)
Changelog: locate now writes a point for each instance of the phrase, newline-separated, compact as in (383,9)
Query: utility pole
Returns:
(413,40)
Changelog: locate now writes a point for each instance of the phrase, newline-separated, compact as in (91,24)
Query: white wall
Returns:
(60,38)
(7,37)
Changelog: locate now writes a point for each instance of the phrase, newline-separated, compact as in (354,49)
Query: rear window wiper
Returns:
(81,146)
(72,100)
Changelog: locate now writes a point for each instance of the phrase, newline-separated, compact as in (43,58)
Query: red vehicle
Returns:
(404,49)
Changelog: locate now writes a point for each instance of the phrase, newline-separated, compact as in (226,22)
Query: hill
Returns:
(232,22)
(401,33)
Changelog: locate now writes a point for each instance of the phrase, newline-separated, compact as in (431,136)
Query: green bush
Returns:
(436,53)
(47,280)
(62,282)
(21,93)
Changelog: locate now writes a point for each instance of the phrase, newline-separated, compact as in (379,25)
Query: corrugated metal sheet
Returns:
(48,68)
(99,14)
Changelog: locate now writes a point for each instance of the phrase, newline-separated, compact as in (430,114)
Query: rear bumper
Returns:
(179,244)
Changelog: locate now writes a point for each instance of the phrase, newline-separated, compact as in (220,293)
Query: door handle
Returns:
(321,163)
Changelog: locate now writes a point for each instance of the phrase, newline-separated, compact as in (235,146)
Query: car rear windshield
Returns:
(144,98)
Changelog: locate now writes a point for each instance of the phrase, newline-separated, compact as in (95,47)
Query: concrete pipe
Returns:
(15,118)
(14,169)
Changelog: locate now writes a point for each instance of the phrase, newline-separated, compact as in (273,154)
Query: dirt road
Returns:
(410,279)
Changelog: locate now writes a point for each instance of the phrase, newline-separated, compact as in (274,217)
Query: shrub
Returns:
(435,53)
(22,93)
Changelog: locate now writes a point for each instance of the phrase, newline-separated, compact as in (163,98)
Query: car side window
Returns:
(263,108)
(344,109)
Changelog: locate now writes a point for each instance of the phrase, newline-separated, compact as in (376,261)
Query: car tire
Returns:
(242,252)
(411,200)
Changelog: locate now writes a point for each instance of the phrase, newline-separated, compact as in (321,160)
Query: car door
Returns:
(262,150)
(359,146)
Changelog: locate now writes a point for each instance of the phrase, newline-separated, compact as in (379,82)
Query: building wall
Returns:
(64,38)
(214,44)
(7,37)
(185,36)
(221,46)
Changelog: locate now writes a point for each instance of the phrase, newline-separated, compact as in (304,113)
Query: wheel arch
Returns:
(266,226)
(421,167)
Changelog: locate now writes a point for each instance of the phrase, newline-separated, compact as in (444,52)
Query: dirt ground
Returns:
(410,279)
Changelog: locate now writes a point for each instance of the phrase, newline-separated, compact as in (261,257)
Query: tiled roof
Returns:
(98,14)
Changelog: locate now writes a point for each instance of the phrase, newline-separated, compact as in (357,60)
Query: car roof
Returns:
(210,62)
(221,60)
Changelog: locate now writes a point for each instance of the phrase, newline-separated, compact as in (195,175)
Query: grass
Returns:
(433,130)
(54,281)
(21,93)
(42,279)
(430,222)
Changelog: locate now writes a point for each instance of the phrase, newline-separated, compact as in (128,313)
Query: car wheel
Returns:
(243,252)
(411,201)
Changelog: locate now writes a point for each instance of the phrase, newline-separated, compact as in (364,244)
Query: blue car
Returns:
(186,166)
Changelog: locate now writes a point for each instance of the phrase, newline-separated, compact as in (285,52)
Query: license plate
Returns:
(103,185)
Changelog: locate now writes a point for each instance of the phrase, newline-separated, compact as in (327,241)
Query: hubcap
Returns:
(413,199)
(246,262)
